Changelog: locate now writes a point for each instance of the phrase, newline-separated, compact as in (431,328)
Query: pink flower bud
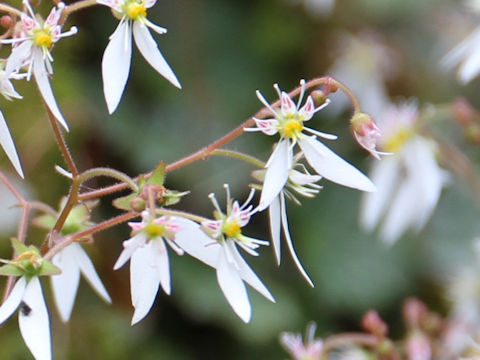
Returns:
(366,133)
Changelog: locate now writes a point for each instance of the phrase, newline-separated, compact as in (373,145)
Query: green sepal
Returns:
(172,197)
(19,247)
(158,174)
(124,203)
(48,268)
(10,270)
(45,221)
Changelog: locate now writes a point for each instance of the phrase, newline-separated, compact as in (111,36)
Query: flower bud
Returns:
(372,323)
(319,97)
(6,21)
(418,347)
(137,204)
(366,133)
(414,311)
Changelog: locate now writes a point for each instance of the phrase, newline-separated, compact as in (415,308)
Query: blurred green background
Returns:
(222,51)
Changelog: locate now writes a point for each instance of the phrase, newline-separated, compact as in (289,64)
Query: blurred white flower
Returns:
(149,264)
(33,319)
(311,349)
(288,122)
(73,260)
(409,181)
(31,49)
(118,53)
(218,250)
(316,8)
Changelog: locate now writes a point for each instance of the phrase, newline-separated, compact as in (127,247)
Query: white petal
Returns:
(274,217)
(332,167)
(65,285)
(248,275)
(196,243)
(18,56)
(162,263)
(34,323)
(470,67)
(116,65)
(129,247)
(233,288)
(149,49)
(276,176)
(13,300)
(41,77)
(288,239)
(8,146)
(88,270)
(144,282)
(385,175)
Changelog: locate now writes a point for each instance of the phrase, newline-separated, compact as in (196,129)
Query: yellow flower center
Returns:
(42,38)
(154,230)
(231,229)
(292,128)
(397,140)
(135,11)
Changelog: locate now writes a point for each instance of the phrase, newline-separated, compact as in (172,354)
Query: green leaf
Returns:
(158,174)
(124,203)
(46,221)
(10,270)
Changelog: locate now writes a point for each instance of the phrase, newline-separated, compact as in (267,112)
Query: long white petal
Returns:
(149,49)
(274,217)
(196,243)
(40,74)
(88,270)
(129,247)
(34,323)
(248,275)
(233,288)
(116,65)
(288,239)
(144,282)
(8,146)
(332,167)
(385,175)
(278,168)
(162,263)
(13,300)
(65,285)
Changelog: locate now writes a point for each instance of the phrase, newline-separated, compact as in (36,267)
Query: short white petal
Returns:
(196,243)
(116,65)
(276,176)
(233,288)
(288,239)
(332,167)
(65,285)
(144,282)
(34,323)
(274,217)
(149,49)
(13,301)
(88,270)
(129,247)
(41,77)
(162,263)
(18,56)
(8,146)
(385,175)
(470,67)
(248,275)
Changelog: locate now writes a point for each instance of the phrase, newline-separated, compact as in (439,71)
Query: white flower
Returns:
(220,252)
(466,56)
(73,260)
(409,182)
(310,350)
(31,49)
(117,55)
(32,316)
(6,141)
(302,183)
(289,121)
(316,7)
(149,264)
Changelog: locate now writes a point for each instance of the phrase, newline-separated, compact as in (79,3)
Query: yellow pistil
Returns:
(292,128)
(231,229)
(42,38)
(397,140)
(135,11)
(154,230)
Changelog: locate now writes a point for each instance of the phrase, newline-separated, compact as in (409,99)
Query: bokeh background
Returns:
(222,51)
